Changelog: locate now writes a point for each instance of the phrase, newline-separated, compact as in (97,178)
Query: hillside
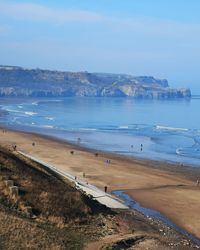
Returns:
(48,212)
(21,82)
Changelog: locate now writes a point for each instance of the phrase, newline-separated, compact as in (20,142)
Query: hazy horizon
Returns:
(134,37)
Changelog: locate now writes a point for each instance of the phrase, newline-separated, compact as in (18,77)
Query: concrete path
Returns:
(96,193)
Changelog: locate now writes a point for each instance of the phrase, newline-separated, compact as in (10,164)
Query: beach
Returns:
(168,188)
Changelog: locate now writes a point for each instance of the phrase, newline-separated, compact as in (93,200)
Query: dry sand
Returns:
(167,188)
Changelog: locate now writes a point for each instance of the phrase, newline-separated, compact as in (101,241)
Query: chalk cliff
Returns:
(18,81)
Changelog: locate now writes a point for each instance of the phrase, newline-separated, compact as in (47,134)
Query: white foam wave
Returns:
(47,126)
(30,113)
(12,110)
(170,128)
(35,103)
(50,118)
(124,127)
(179,151)
(86,129)
(135,126)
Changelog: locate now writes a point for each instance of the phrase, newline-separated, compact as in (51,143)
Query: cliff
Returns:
(17,81)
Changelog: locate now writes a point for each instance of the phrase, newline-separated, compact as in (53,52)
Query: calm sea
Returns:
(167,130)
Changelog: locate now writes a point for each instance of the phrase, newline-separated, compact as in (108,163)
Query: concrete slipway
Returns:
(90,190)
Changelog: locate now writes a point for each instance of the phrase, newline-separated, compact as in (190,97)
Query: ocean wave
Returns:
(35,103)
(123,127)
(193,152)
(12,110)
(47,126)
(30,113)
(85,129)
(50,118)
(135,126)
(20,112)
(47,101)
(179,151)
(170,128)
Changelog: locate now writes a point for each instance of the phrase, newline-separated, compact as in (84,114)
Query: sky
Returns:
(159,38)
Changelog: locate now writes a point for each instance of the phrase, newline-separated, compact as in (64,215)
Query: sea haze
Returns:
(168,130)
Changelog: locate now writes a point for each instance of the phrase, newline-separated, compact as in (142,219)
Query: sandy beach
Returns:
(169,189)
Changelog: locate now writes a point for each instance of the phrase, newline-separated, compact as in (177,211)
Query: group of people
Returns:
(108,161)
(141,146)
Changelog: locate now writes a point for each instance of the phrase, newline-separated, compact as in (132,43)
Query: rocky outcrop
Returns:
(17,81)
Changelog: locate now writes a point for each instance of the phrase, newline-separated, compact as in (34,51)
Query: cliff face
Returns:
(17,81)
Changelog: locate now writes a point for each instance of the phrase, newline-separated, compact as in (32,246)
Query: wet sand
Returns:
(170,189)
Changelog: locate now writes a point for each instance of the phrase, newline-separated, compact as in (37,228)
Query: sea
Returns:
(164,130)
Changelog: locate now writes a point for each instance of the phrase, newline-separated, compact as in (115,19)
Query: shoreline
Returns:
(190,170)
(130,174)
(148,155)
(152,214)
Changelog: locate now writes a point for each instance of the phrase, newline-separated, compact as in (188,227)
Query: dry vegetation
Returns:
(48,213)
(40,210)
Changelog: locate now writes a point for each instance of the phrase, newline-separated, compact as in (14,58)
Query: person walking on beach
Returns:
(108,162)
(105,189)
(198,182)
(79,140)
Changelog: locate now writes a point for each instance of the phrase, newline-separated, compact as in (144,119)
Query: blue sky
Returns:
(139,37)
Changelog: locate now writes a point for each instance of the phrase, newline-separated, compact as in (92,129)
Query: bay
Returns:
(166,130)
